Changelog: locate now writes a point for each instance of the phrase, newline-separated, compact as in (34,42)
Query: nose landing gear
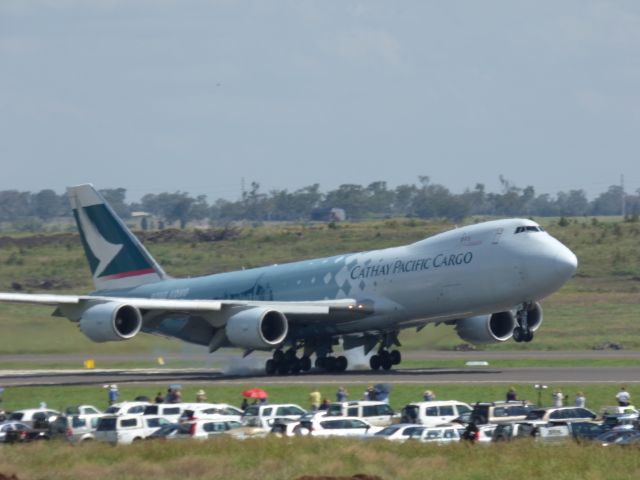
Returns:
(522,332)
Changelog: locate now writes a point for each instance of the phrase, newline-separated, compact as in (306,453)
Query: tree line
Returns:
(423,199)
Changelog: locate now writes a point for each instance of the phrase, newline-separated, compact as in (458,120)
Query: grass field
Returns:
(601,304)
(283,459)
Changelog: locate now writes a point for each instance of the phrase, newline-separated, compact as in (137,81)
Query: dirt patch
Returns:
(8,477)
(357,476)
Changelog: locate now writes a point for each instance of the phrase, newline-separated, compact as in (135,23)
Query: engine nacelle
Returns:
(494,328)
(534,317)
(257,328)
(107,322)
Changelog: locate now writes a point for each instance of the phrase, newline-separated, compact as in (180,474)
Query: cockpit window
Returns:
(529,228)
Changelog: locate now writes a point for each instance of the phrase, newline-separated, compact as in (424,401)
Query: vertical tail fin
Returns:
(116,257)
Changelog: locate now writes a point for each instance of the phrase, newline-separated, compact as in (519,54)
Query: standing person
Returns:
(428,396)
(341,395)
(581,400)
(315,398)
(512,395)
(623,397)
(113,394)
(245,404)
(159,398)
(369,393)
(558,398)
(201,396)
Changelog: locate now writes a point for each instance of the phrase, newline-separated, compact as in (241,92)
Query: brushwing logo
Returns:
(104,251)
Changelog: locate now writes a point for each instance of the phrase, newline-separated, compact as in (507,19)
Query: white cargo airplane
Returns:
(484,279)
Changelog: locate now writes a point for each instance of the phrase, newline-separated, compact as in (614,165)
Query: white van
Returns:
(127,408)
(379,414)
(434,413)
(126,429)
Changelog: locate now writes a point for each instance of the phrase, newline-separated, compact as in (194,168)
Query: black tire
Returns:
(341,363)
(278,356)
(270,367)
(283,368)
(290,355)
(305,364)
(296,366)
(396,357)
(330,364)
(385,361)
(518,334)
(528,336)
(374,362)
(320,361)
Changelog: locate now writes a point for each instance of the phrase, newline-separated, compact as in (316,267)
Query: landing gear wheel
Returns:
(528,336)
(374,362)
(396,357)
(341,363)
(305,364)
(296,366)
(330,364)
(278,356)
(270,367)
(518,334)
(284,367)
(385,360)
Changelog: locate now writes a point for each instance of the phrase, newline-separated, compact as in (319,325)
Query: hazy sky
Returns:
(193,95)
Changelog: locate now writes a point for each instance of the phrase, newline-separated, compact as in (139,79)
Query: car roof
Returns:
(437,403)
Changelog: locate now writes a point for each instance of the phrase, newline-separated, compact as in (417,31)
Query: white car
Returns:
(203,429)
(127,408)
(263,416)
(374,412)
(439,434)
(434,413)
(126,429)
(31,416)
(211,411)
(400,432)
(326,426)
(11,426)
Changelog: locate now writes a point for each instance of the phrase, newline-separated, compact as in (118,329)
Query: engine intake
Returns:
(494,328)
(107,322)
(257,328)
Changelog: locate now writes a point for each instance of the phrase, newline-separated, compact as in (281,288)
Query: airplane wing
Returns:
(298,310)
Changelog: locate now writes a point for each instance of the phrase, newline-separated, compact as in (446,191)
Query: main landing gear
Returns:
(287,362)
(522,332)
(385,359)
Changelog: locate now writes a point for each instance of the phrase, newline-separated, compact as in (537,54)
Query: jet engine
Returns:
(534,316)
(497,327)
(111,321)
(257,328)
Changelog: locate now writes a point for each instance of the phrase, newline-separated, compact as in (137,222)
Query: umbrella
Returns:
(255,393)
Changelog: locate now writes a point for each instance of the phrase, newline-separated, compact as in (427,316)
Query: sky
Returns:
(197,95)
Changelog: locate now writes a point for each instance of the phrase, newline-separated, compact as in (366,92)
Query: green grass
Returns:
(275,458)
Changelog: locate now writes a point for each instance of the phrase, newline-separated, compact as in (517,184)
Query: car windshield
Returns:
(535,415)
(385,432)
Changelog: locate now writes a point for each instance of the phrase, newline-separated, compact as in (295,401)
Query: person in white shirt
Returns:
(581,400)
(558,398)
(623,397)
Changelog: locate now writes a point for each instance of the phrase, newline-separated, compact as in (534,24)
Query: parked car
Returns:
(34,417)
(254,415)
(442,434)
(615,437)
(585,431)
(433,413)
(12,431)
(195,429)
(211,411)
(505,432)
(500,412)
(559,415)
(617,420)
(127,408)
(336,426)
(74,428)
(400,432)
(374,412)
(126,429)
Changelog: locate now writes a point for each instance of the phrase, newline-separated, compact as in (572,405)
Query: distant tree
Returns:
(609,202)
(47,204)
(116,198)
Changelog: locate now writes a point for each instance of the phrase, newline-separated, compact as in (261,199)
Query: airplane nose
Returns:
(566,263)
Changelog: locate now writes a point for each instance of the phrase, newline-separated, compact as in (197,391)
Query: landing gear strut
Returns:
(522,332)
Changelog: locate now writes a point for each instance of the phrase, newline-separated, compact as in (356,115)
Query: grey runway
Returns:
(485,375)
